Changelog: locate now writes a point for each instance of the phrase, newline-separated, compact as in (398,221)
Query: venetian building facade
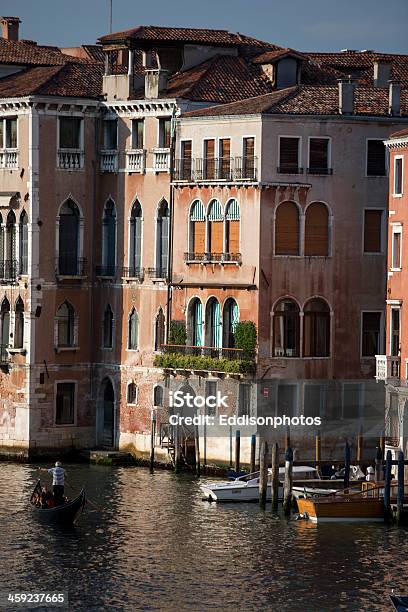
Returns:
(197,176)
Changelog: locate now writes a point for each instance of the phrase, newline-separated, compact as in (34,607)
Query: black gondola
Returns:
(65,514)
(399,603)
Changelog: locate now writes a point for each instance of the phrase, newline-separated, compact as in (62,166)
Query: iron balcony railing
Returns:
(289,169)
(246,168)
(204,169)
(8,270)
(133,272)
(158,273)
(207,351)
(70,266)
(106,270)
(316,170)
(212,257)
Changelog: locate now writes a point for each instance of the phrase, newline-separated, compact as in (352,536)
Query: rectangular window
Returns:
(186,160)
(398,164)
(224,163)
(211,390)
(314,400)
(376,158)
(395,332)
(396,247)
(289,155)
(164,133)
(65,404)
(137,133)
(371,334)
(209,160)
(70,132)
(248,152)
(11,133)
(372,231)
(319,155)
(287,400)
(244,400)
(110,135)
(352,400)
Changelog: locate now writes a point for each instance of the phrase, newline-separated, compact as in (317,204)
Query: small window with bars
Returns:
(376,158)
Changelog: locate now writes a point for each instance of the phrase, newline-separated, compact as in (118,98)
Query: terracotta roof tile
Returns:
(29,54)
(400,134)
(272,56)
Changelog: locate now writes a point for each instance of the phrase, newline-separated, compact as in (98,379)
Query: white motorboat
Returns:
(246,488)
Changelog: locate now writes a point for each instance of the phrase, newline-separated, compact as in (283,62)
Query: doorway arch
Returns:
(106,425)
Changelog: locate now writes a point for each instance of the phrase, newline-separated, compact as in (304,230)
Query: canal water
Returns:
(157,546)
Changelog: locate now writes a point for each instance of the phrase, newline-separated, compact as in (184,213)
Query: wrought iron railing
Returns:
(8,270)
(289,169)
(316,170)
(159,273)
(207,351)
(70,266)
(212,257)
(203,169)
(246,168)
(133,272)
(106,270)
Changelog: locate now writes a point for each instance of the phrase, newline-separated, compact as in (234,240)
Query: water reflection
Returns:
(157,546)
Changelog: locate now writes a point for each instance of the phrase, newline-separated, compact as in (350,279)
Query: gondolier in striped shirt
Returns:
(58,481)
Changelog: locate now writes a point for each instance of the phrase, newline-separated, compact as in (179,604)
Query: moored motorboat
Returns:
(64,514)
(337,508)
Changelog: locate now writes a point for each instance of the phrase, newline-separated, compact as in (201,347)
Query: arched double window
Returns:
(197,228)
(65,325)
(23,242)
(317,230)
(133,330)
(286,337)
(68,250)
(5,323)
(195,323)
(232,227)
(215,235)
(159,330)
(19,324)
(230,320)
(287,229)
(213,337)
(135,240)
(108,327)
(109,239)
(162,239)
(316,329)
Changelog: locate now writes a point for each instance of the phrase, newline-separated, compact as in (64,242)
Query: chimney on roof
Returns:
(346,96)
(382,73)
(155,82)
(9,27)
(394,98)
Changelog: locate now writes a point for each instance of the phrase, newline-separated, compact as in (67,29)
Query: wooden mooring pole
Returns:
(387,488)
(237,450)
(263,474)
(275,477)
(197,450)
(152,441)
(287,437)
(177,463)
(360,443)
(347,466)
(253,453)
(400,490)
(378,464)
(287,489)
(318,447)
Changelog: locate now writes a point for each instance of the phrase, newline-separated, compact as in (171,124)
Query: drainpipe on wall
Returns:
(171,228)
(93,256)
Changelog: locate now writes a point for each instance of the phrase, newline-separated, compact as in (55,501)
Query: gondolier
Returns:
(58,481)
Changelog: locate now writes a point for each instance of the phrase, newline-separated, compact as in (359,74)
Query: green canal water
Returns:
(157,546)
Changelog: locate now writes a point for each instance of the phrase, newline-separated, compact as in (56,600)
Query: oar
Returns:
(87,498)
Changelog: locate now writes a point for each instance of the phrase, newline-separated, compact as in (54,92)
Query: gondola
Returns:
(400,603)
(65,514)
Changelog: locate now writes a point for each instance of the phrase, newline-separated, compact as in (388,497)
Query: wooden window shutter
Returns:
(289,153)
(186,149)
(216,236)
(318,154)
(372,231)
(287,229)
(199,236)
(317,230)
(232,236)
(249,147)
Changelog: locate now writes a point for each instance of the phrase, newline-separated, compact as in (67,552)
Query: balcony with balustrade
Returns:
(133,273)
(157,274)
(105,271)
(209,258)
(161,160)
(109,161)
(222,360)
(70,159)
(216,170)
(8,271)
(388,368)
(135,160)
(71,268)
(9,159)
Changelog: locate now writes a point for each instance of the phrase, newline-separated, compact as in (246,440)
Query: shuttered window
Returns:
(398,175)
(164,133)
(372,231)
(110,134)
(318,155)
(224,164)
(197,228)
(209,160)
(186,152)
(371,334)
(289,155)
(215,228)
(317,230)
(287,229)
(232,229)
(137,133)
(376,164)
(69,132)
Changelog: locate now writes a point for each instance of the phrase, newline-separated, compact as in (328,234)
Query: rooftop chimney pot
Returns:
(155,83)
(382,73)
(9,27)
(394,98)
(346,96)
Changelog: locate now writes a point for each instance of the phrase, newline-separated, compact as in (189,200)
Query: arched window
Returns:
(213,324)
(23,247)
(215,228)
(11,260)
(5,322)
(1,247)
(195,323)
(232,229)
(162,239)
(109,238)
(317,230)
(230,320)
(135,240)
(316,329)
(65,325)
(68,258)
(158,396)
(159,330)
(197,228)
(133,331)
(287,229)
(286,329)
(131,393)
(108,327)
(19,324)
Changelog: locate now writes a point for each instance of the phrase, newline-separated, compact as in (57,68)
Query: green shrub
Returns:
(177,333)
(192,362)
(245,338)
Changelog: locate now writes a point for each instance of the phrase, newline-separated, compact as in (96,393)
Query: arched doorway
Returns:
(106,425)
